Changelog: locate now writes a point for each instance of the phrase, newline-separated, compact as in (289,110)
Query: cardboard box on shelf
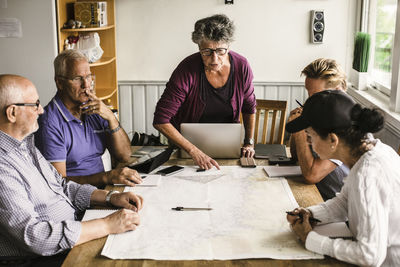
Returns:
(91,14)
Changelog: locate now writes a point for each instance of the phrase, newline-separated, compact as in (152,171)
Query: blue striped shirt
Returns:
(38,208)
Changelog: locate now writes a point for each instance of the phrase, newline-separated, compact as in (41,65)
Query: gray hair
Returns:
(65,58)
(9,90)
(217,28)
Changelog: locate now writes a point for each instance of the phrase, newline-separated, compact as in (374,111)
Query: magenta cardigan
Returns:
(181,100)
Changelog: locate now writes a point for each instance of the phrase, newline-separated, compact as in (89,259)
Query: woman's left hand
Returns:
(96,106)
(248,151)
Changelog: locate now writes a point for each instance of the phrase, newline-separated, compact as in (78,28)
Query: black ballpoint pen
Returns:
(299,103)
(312,219)
(189,209)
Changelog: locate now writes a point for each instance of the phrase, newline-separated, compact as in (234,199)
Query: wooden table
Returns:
(88,254)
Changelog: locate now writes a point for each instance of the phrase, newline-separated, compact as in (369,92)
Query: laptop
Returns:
(217,140)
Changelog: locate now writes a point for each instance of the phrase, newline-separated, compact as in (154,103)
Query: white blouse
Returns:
(370,201)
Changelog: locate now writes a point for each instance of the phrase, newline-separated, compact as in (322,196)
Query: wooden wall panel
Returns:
(126,108)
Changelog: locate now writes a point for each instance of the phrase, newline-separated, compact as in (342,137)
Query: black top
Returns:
(333,182)
(218,108)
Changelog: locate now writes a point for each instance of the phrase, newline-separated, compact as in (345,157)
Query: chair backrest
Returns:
(266,110)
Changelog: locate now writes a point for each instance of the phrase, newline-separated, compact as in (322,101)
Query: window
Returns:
(381,19)
(382,24)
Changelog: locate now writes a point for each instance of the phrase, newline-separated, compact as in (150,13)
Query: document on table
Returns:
(282,171)
(247,219)
(92,214)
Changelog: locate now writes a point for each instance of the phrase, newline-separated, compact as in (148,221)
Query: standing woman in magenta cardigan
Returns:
(213,85)
(339,129)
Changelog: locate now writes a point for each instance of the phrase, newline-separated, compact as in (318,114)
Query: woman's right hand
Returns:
(297,212)
(122,221)
(202,160)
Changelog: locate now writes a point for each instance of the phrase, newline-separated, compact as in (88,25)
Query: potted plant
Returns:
(361,60)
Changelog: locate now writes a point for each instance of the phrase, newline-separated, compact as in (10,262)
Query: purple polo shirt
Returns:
(63,138)
(182,101)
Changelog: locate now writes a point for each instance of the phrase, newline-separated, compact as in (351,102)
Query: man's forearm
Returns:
(93,229)
(98,198)
(120,146)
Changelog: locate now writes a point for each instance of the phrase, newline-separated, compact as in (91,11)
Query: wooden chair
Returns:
(267,107)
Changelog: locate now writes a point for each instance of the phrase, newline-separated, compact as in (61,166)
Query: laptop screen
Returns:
(217,140)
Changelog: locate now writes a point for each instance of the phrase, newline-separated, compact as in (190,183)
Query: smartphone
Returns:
(170,170)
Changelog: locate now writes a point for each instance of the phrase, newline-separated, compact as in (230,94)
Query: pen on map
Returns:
(200,170)
(189,209)
(301,105)
(312,219)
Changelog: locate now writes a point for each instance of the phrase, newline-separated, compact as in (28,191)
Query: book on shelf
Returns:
(91,14)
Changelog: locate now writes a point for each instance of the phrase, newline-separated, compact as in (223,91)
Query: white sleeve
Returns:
(370,207)
(333,210)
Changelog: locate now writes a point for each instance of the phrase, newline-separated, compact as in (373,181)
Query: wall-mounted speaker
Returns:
(317,26)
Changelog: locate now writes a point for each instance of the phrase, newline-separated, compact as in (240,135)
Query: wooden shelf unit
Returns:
(105,68)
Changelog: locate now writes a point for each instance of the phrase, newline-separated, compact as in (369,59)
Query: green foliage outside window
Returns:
(385,27)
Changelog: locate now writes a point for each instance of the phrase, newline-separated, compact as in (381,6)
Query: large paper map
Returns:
(247,219)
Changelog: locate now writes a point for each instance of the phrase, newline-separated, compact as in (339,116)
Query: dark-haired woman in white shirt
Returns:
(338,128)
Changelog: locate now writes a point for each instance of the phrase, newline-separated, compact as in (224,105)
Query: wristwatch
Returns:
(248,141)
(108,196)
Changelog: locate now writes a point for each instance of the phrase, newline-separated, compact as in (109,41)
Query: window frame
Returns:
(367,24)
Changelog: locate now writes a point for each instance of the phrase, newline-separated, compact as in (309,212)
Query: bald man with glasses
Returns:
(77,127)
(39,210)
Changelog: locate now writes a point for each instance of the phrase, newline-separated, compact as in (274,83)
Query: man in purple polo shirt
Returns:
(212,86)
(77,127)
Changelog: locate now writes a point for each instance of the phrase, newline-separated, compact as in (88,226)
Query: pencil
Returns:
(184,208)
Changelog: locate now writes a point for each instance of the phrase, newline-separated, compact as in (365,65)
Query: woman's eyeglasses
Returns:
(208,51)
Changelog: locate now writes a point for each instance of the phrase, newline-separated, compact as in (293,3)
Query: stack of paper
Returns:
(149,180)
(282,171)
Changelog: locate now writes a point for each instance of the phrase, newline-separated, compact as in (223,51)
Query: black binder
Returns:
(149,162)
(265,151)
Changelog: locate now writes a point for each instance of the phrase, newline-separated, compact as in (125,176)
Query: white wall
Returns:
(32,55)
(153,36)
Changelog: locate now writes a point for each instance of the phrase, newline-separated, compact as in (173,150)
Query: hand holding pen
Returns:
(295,112)
(300,216)
(301,221)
